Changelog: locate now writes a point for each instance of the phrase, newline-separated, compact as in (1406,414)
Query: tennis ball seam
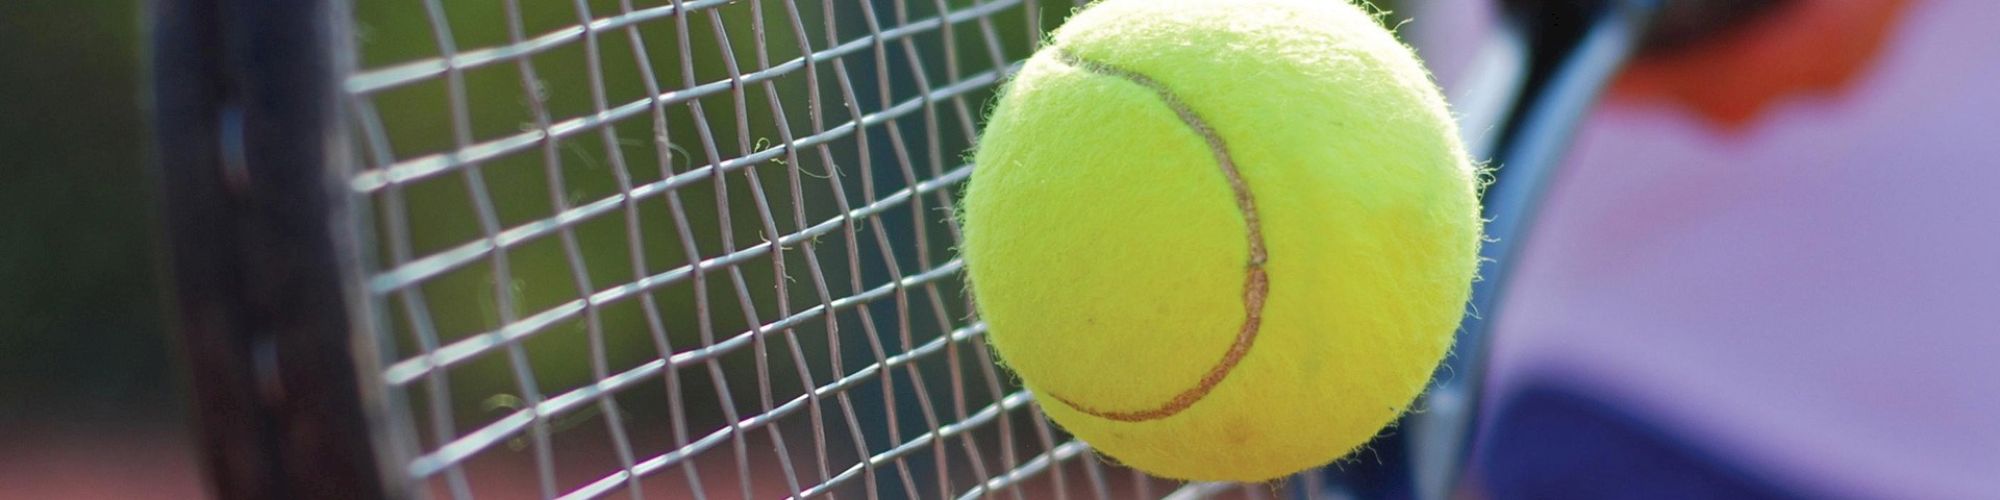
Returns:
(1256,283)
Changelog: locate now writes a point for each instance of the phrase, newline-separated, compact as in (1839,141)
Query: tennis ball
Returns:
(1221,240)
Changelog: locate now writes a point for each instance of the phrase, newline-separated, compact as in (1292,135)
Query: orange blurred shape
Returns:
(1799,47)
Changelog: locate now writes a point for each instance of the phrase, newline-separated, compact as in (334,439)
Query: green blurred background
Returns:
(90,396)
(80,314)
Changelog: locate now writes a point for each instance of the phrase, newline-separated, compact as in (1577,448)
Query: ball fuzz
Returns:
(1222,240)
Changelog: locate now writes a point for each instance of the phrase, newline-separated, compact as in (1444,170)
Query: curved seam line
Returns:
(1256,283)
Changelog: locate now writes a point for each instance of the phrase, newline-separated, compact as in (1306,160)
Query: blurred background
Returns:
(1767,271)
(90,399)
(1764,270)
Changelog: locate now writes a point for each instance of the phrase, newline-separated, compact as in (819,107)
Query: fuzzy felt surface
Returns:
(1131,175)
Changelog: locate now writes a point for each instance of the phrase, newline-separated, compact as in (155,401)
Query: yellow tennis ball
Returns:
(1222,240)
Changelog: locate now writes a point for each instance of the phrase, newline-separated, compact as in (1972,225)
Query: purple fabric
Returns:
(1815,296)
(1547,443)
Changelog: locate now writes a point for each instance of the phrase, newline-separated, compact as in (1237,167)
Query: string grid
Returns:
(692,249)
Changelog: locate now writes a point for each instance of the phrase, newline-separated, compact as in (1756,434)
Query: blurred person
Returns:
(1767,269)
